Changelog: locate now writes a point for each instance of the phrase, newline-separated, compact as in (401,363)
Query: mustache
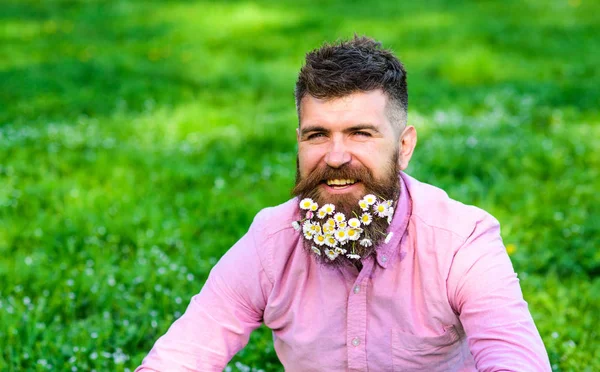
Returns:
(324,173)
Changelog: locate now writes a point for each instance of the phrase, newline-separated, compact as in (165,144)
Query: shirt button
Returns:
(356,289)
(356,341)
(383,258)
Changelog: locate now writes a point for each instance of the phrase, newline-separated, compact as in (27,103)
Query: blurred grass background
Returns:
(139,138)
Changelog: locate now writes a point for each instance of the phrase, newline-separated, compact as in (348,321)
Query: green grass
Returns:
(139,139)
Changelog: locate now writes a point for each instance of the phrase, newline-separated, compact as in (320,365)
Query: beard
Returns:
(385,188)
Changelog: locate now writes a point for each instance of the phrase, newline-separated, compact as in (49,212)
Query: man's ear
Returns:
(406,146)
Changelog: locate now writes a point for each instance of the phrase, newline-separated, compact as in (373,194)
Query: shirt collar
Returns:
(388,252)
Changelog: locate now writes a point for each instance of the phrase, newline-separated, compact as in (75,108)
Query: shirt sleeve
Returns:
(484,291)
(218,320)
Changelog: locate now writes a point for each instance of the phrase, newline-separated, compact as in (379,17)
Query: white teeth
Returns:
(340,182)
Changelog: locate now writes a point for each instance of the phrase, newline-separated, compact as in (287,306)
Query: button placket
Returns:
(357,319)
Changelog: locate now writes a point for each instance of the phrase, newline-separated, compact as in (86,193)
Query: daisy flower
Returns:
(341,235)
(341,250)
(381,209)
(329,208)
(370,199)
(353,234)
(307,226)
(330,222)
(296,225)
(316,250)
(330,241)
(354,223)
(327,228)
(314,206)
(321,213)
(388,237)
(306,203)
(339,217)
(366,219)
(366,242)
(353,256)
(342,225)
(331,254)
(309,234)
(319,239)
(363,205)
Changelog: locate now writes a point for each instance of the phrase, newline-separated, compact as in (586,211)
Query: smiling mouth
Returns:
(337,184)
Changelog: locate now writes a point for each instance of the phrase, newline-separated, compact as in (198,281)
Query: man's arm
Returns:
(219,320)
(484,290)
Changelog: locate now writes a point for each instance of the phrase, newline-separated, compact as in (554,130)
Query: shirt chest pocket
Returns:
(416,353)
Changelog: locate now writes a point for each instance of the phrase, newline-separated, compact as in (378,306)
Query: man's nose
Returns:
(338,155)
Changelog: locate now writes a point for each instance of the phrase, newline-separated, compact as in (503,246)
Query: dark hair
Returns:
(356,65)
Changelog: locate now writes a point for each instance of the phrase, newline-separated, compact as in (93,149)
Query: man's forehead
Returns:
(359,106)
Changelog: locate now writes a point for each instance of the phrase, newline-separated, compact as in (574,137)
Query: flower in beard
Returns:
(308,235)
(336,232)
(339,217)
(340,250)
(341,235)
(331,254)
(381,209)
(353,234)
(330,222)
(366,219)
(306,203)
(354,223)
(321,213)
(363,205)
(328,209)
(330,241)
(366,242)
(370,199)
(319,239)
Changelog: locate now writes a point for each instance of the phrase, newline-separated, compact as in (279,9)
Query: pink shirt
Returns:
(442,295)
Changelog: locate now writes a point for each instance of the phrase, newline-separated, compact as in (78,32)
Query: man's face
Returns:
(346,149)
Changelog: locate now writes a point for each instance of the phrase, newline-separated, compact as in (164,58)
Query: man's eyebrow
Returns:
(313,128)
(354,128)
(362,127)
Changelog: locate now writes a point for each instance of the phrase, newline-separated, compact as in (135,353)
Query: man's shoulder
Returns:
(433,207)
(276,219)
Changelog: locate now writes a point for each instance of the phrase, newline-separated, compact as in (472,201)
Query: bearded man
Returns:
(366,268)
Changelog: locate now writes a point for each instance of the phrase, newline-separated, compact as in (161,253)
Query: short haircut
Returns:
(357,65)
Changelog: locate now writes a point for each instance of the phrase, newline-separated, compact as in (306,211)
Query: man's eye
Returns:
(315,135)
(362,133)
